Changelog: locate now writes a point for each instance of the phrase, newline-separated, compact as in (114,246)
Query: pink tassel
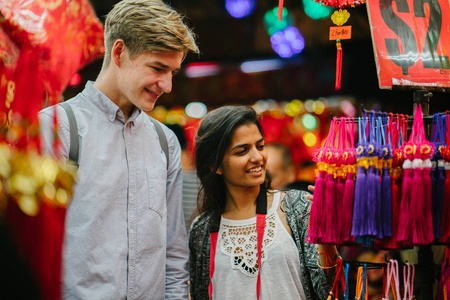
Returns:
(340,210)
(404,230)
(417,206)
(330,208)
(316,215)
(347,216)
(428,225)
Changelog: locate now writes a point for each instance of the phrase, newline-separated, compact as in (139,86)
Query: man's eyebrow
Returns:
(164,66)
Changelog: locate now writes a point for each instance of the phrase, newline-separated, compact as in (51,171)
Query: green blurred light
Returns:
(309,121)
(273,24)
(316,10)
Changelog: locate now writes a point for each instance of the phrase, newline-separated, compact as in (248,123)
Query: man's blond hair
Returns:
(147,26)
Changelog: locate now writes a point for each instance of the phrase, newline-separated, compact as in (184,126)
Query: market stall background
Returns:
(227,42)
(291,91)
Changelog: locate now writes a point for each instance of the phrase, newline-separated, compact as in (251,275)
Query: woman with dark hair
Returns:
(249,239)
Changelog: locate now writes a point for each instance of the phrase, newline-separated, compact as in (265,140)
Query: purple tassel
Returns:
(347,208)
(378,217)
(371,212)
(358,204)
(440,185)
(434,202)
(386,204)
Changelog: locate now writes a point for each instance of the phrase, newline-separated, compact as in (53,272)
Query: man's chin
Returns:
(147,108)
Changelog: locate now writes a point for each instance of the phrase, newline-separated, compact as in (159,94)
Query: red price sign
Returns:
(411,40)
(340,33)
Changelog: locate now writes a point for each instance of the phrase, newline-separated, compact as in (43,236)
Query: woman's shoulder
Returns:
(200,225)
(295,200)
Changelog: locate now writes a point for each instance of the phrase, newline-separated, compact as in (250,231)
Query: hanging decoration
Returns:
(42,44)
(331,211)
(339,32)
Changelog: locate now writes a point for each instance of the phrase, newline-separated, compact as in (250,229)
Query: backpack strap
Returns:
(73,128)
(74,142)
(162,139)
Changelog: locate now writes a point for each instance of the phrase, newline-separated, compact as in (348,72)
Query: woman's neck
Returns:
(241,203)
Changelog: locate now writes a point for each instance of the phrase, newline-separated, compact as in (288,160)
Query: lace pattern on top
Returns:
(239,242)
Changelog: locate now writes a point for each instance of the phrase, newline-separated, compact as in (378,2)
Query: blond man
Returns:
(125,236)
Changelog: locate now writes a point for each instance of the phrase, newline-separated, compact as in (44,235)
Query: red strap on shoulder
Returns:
(260,224)
(212,255)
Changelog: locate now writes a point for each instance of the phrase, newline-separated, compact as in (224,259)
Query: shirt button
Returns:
(111,117)
(131,231)
(131,195)
(131,268)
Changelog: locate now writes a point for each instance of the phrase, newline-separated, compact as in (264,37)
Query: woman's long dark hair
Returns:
(213,137)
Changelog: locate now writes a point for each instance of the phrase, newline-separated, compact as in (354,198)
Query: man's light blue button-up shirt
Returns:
(125,236)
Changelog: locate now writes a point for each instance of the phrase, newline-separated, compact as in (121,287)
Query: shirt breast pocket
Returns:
(156,181)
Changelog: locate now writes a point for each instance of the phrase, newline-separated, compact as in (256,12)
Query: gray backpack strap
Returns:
(74,142)
(162,139)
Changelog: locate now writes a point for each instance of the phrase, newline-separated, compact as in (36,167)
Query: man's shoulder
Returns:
(50,109)
(170,135)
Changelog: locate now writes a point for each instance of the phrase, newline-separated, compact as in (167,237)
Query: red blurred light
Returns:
(75,80)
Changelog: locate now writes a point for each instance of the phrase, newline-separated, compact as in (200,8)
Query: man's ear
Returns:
(118,52)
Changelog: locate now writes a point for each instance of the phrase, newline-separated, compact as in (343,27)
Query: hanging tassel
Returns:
(378,219)
(427,186)
(446,207)
(371,211)
(330,207)
(339,208)
(346,269)
(360,182)
(337,85)
(347,203)
(358,204)
(280,10)
(317,207)
(393,244)
(417,206)
(386,203)
(439,199)
(404,230)
(434,200)
(359,284)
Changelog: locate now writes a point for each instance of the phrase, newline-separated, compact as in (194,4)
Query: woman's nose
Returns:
(255,155)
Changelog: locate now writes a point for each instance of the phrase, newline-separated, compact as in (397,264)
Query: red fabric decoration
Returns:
(280,9)
(42,44)
(56,39)
(337,85)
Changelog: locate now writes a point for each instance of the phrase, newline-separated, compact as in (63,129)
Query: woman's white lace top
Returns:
(236,262)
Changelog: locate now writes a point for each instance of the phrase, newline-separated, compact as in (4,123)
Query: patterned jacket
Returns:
(316,282)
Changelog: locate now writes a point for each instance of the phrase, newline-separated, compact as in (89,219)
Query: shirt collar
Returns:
(106,105)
